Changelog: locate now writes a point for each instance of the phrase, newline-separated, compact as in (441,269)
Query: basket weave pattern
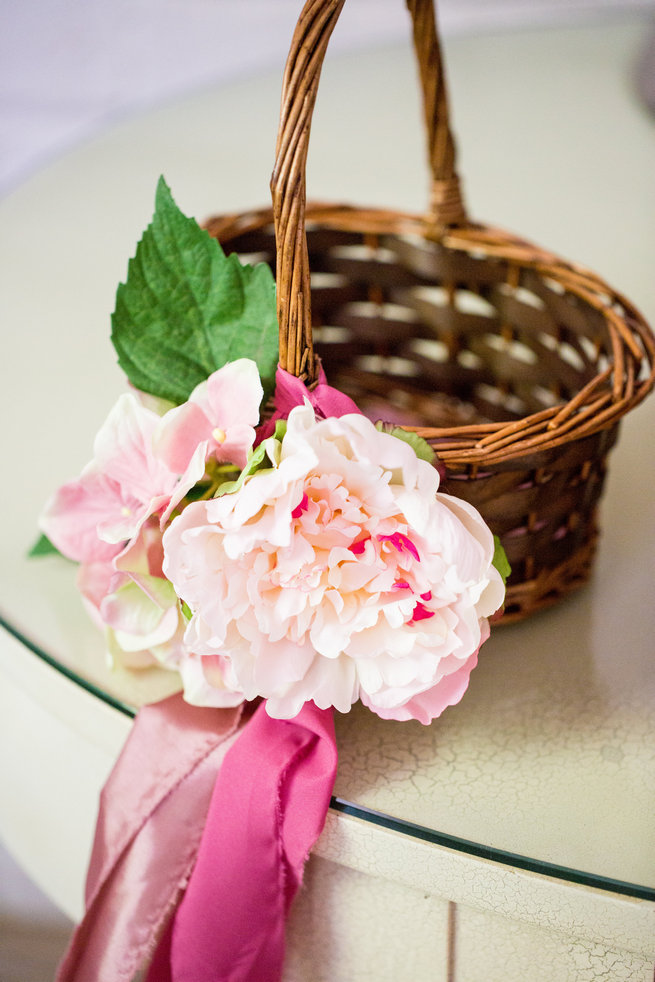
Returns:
(515,365)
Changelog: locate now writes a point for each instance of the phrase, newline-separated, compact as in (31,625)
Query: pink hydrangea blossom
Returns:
(336,573)
(135,605)
(90,519)
(110,519)
(216,423)
(107,521)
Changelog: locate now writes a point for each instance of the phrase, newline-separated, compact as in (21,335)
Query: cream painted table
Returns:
(513,838)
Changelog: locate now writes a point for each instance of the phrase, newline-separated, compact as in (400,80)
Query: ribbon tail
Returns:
(151,816)
(267,811)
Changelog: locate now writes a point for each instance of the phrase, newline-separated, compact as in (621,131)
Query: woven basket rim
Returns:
(598,405)
(625,373)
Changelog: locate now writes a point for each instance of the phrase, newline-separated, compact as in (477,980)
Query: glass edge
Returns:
(373,817)
(505,858)
(67,672)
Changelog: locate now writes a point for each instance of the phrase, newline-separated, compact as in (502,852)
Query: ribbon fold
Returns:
(267,811)
(203,830)
(150,821)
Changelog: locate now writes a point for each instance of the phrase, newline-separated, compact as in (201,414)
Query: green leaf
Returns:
(186,308)
(265,457)
(500,560)
(280,429)
(43,547)
(256,462)
(421,447)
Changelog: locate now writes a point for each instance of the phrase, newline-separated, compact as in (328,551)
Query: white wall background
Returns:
(69,67)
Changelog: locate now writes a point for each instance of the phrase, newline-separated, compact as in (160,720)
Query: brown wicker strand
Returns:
(446,206)
(288,182)
(288,192)
(497,453)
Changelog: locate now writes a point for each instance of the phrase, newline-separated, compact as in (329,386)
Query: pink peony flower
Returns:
(336,573)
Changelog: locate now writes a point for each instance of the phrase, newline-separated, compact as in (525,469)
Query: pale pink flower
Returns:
(136,606)
(90,519)
(209,681)
(337,573)
(110,518)
(216,423)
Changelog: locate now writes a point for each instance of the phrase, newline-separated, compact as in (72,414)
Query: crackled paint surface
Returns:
(347,924)
(595,917)
(551,753)
(342,922)
(375,905)
(497,949)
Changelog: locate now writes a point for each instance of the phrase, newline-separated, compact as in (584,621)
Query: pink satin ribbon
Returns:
(291,391)
(150,822)
(237,843)
(266,813)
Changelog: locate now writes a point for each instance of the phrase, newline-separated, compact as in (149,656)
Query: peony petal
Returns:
(207,685)
(291,391)
(429,704)
(337,688)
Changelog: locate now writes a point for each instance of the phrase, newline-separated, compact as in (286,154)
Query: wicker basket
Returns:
(515,365)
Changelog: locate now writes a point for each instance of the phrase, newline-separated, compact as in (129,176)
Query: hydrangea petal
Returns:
(71,518)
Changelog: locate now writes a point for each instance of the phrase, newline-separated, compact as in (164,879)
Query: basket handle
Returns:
(288,182)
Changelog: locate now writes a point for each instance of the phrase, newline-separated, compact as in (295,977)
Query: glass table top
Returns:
(548,763)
